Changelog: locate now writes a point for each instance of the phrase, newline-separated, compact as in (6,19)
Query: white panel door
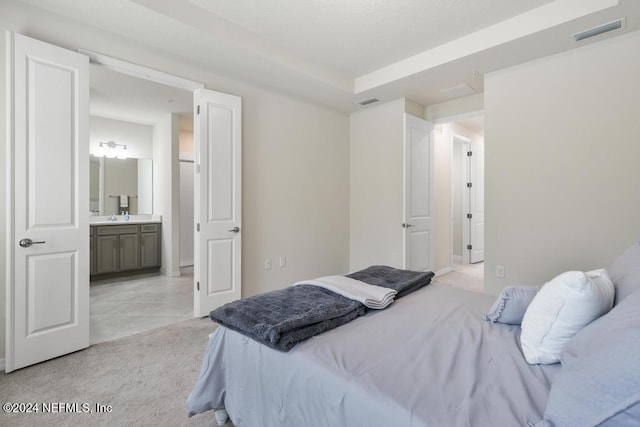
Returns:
(48,174)
(476,203)
(218,249)
(418,194)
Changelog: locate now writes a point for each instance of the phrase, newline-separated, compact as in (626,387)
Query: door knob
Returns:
(235,230)
(405,225)
(25,243)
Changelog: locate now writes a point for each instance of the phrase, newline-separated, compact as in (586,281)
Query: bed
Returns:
(430,359)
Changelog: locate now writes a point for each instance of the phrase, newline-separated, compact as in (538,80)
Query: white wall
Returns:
(295,200)
(137,137)
(376,185)
(166,193)
(562,148)
(442,200)
(295,160)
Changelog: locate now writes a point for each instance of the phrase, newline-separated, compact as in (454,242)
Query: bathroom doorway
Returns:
(137,113)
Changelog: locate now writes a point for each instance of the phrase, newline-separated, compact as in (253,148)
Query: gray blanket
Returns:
(281,319)
(403,281)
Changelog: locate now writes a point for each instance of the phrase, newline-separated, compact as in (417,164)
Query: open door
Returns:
(218,233)
(418,194)
(476,203)
(47,279)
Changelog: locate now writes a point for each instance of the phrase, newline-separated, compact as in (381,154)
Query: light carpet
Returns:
(469,277)
(145,378)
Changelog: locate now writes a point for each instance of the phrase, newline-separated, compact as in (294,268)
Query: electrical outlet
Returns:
(267,264)
(500,271)
(283,261)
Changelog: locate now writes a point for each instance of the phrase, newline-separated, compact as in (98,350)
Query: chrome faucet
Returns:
(113,218)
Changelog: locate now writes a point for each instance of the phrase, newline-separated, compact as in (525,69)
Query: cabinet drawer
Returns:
(149,228)
(117,229)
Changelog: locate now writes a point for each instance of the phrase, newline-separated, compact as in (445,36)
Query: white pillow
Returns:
(561,309)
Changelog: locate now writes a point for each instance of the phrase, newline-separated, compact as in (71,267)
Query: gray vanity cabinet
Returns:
(124,248)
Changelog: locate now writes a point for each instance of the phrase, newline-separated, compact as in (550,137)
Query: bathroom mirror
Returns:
(111,179)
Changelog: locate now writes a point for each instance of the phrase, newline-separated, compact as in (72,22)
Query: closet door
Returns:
(48,223)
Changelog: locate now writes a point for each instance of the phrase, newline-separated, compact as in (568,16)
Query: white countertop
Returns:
(133,219)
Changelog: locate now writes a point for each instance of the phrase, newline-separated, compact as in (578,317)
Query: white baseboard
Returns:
(186,262)
(443,271)
(187,269)
(170,273)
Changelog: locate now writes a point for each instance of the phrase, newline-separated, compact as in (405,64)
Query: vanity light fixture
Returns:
(112,150)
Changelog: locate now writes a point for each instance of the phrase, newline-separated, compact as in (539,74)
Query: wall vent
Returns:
(600,29)
(368,101)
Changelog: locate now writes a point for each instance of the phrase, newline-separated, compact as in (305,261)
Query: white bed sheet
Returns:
(427,360)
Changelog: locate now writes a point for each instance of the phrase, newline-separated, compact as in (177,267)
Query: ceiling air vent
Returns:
(368,101)
(600,29)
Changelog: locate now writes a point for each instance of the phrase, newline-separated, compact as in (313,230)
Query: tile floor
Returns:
(127,306)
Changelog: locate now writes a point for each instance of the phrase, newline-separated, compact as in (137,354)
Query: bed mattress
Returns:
(427,360)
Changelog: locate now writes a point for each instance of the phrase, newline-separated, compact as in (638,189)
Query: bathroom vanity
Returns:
(119,246)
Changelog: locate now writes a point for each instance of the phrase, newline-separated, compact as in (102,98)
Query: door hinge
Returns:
(469,185)
(469,216)
(198,227)
(198,110)
(198,168)
(469,247)
(198,285)
(469,153)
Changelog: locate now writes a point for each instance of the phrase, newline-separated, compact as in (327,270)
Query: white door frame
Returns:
(465,147)
(155,76)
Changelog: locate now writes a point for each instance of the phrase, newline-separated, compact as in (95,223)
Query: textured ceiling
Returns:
(358,36)
(338,52)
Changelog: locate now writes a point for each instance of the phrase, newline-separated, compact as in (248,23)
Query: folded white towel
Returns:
(376,297)
(124,201)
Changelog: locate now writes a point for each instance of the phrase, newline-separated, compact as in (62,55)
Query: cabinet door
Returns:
(129,252)
(149,253)
(106,254)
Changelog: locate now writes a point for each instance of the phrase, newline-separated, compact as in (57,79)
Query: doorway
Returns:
(466,136)
(128,110)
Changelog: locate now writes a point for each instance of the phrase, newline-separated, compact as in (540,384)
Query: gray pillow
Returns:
(625,272)
(599,384)
(511,304)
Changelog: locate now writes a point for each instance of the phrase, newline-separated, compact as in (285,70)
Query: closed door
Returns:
(418,194)
(218,233)
(48,174)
